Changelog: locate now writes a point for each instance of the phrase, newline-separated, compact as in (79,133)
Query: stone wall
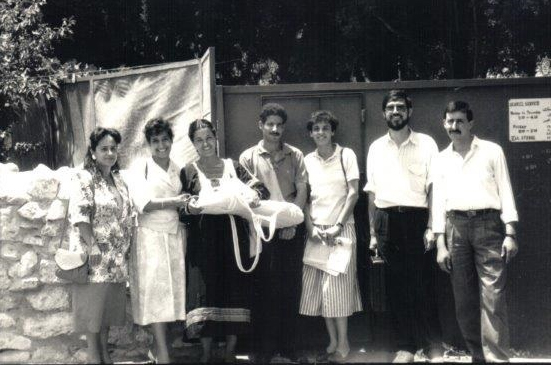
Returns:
(35,306)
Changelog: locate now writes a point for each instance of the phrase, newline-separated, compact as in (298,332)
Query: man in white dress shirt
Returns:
(399,197)
(474,219)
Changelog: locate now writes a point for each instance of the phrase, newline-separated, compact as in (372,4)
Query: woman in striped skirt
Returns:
(333,178)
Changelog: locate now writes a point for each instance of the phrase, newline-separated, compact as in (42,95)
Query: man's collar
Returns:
(475,143)
(284,148)
(411,138)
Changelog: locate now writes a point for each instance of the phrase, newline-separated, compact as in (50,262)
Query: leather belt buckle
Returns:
(401,209)
(471,213)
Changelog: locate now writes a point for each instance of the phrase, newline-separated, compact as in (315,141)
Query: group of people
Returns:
(149,230)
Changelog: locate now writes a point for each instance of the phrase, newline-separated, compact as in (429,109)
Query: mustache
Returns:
(456,131)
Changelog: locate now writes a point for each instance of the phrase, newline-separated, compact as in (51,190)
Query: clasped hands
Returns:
(327,235)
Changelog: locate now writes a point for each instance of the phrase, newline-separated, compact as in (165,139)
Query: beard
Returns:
(397,125)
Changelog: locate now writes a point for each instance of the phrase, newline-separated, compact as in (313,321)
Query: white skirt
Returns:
(158,277)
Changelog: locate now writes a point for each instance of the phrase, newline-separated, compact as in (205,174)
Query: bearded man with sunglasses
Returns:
(399,199)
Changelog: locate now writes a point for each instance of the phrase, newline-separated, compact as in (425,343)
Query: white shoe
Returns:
(403,356)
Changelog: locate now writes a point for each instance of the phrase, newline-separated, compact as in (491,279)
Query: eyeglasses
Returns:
(399,107)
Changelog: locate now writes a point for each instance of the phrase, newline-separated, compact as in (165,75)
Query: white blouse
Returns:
(328,185)
(158,184)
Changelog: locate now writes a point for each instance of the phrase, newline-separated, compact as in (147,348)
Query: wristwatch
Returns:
(513,236)
(340,225)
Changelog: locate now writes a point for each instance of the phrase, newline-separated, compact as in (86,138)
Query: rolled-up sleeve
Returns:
(508,207)
(301,176)
(81,204)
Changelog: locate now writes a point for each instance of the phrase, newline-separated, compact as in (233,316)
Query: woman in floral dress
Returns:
(101,217)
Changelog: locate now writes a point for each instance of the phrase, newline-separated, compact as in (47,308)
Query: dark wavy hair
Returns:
(95,137)
(394,95)
(199,124)
(459,106)
(156,126)
(273,109)
(322,116)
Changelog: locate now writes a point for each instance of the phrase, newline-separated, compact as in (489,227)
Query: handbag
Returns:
(377,291)
(70,265)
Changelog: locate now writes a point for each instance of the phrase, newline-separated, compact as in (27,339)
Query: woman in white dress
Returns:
(157,278)
(333,178)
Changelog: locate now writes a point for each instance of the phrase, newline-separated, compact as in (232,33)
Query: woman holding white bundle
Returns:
(157,277)
(218,293)
(333,177)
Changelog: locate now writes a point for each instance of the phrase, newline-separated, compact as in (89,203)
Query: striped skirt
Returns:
(331,296)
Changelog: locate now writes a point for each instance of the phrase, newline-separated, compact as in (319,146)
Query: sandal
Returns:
(338,357)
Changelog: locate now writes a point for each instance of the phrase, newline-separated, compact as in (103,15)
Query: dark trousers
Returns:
(479,280)
(278,280)
(409,277)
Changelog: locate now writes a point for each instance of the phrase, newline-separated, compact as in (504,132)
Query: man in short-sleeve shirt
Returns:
(399,193)
(280,167)
(474,218)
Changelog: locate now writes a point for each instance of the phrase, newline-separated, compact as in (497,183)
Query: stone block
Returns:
(10,341)
(47,272)
(14,357)
(55,243)
(9,250)
(65,176)
(49,298)
(44,184)
(5,280)
(9,167)
(32,239)
(56,211)
(8,302)
(28,262)
(52,228)
(6,320)
(47,326)
(32,211)
(24,284)
(80,357)
(25,266)
(9,224)
(14,198)
(51,354)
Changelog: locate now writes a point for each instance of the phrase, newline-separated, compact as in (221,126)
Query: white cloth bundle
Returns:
(229,195)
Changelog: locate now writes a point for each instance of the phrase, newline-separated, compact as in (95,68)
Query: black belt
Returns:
(472,213)
(402,209)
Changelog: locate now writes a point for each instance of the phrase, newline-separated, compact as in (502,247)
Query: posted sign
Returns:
(530,120)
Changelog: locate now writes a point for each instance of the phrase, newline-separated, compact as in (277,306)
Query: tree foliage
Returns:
(28,67)
(270,41)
